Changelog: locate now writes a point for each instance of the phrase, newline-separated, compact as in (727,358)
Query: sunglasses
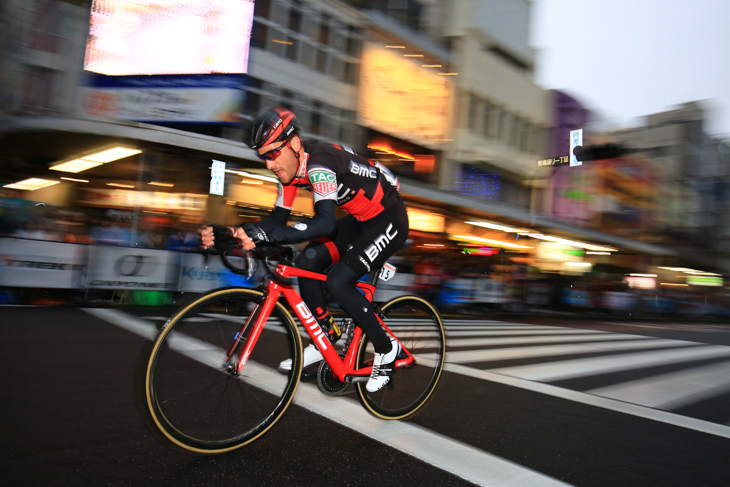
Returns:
(273,154)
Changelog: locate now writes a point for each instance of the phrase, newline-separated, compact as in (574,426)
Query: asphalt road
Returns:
(548,403)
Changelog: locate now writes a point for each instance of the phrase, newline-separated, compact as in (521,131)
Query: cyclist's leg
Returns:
(378,239)
(317,256)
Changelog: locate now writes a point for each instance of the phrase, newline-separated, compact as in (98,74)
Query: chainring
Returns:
(328,382)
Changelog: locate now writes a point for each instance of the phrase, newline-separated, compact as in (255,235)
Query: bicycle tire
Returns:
(418,326)
(199,404)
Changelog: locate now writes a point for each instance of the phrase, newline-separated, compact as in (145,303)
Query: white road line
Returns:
(452,343)
(602,402)
(481,342)
(570,369)
(454,457)
(568,331)
(466,356)
(673,390)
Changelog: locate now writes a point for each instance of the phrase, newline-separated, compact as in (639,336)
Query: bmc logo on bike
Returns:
(313,325)
(380,243)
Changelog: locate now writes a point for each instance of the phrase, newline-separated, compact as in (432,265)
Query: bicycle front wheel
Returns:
(195,396)
(418,327)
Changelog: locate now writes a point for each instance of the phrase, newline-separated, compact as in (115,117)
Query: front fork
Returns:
(249,334)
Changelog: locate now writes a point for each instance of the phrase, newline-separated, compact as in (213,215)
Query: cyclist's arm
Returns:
(323,224)
(278,217)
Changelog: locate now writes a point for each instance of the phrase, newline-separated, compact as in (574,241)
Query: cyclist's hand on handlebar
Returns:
(206,237)
(253,236)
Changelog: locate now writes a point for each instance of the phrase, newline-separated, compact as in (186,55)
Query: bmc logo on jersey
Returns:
(323,181)
(363,170)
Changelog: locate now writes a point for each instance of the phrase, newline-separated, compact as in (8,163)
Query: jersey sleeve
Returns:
(322,177)
(285,196)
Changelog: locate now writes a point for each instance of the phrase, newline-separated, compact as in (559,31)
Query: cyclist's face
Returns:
(280,158)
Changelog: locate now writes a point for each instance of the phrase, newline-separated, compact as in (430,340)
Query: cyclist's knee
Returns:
(312,259)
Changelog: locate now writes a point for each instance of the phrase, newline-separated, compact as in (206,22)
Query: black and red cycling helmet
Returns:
(274,125)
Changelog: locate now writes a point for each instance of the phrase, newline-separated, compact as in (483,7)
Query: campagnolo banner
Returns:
(130,268)
(37,263)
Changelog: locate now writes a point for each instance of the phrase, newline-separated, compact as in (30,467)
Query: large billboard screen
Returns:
(402,99)
(129,37)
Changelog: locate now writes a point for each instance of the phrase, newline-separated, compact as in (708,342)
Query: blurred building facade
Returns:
(693,178)
(441,92)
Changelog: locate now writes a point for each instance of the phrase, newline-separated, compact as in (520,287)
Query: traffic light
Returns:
(600,152)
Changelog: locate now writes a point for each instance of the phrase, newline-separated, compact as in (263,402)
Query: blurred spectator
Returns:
(152,233)
(183,238)
(37,230)
(106,233)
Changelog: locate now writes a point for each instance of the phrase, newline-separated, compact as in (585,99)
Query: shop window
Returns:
(262,8)
(321,60)
(524,141)
(291,48)
(339,41)
(276,42)
(252,105)
(38,87)
(474,105)
(295,21)
(310,27)
(514,131)
(280,13)
(308,55)
(488,124)
(350,72)
(258,35)
(337,67)
(324,30)
(44,36)
(354,46)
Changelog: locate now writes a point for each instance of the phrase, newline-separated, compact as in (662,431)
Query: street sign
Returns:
(576,140)
(554,161)
(217,177)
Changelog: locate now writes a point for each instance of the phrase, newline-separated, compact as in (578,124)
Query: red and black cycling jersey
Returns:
(337,176)
(334,172)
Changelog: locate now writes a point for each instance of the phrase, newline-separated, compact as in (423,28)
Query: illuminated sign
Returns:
(425,221)
(399,97)
(704,281)
(209,98)
(169,37)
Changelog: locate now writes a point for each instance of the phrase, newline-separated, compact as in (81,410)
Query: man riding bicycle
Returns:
(374,229)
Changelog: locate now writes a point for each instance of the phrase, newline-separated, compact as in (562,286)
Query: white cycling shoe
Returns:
(311,356)
(383,367)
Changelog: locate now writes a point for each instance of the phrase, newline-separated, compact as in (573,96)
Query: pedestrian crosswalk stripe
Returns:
(564,331)
(482,342)
(466,356)
(571,369)
(673,390)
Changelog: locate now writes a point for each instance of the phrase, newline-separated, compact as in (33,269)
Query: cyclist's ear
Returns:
(296,143)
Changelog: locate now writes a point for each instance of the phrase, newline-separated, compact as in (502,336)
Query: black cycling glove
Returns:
(256,234)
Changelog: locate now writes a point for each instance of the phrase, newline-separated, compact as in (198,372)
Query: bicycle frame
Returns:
(343,369)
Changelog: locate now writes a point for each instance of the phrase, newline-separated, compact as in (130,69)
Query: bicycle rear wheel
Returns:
(195,397)
(418,327)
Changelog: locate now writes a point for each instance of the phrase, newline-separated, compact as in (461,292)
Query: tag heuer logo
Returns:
(323,181)
(321,176)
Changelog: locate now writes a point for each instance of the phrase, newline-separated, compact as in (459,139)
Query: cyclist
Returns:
(374,229)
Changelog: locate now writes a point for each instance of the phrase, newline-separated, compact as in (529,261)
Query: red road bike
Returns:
(212,383)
